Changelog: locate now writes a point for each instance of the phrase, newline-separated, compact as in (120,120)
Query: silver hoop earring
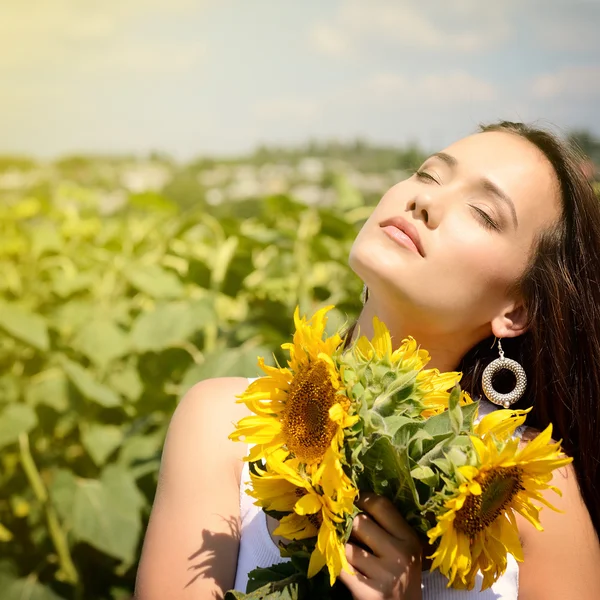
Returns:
(364,294)
(499,364)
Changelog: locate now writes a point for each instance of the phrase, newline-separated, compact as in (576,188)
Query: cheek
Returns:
(485,262)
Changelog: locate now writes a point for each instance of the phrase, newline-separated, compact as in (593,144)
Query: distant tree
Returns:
(185,190)
(588,143)
(20,163)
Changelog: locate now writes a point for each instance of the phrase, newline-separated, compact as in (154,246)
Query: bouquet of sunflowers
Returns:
(336,422)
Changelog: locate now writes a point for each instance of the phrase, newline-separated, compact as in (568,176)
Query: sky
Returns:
(197,77)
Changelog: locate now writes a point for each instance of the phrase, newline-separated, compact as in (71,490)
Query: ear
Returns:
(511,323)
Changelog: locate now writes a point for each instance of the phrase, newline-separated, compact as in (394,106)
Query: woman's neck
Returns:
(446,350)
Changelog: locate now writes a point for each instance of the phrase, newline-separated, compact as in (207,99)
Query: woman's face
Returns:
(477,209)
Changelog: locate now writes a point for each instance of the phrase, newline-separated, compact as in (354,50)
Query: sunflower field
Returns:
(117,294)
(107,317)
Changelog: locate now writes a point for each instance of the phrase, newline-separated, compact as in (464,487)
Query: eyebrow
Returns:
(485,183)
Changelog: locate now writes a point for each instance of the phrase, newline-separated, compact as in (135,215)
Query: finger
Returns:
(366,563)
(388,517)
(356,583)
(366,531)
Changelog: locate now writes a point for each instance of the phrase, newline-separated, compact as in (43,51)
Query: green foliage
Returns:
(106,320)
(288,581)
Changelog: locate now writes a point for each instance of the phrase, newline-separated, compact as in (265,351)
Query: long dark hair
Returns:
(561,349)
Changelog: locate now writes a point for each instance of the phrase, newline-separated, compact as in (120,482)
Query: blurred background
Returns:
(175,177)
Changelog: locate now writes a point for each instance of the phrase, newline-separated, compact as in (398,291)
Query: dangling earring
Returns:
(364,294)
(497,365)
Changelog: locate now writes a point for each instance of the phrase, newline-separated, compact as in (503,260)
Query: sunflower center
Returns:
(498,488)
(305,421)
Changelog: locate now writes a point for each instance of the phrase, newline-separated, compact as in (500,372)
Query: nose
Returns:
(424,208)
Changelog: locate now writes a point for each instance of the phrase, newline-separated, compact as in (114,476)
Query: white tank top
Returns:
(257,549)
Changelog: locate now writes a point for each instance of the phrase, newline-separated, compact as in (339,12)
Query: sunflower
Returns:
(436,388)
(380,347)
(433,388)
(313,512)
(301,408)
(479,526)
(501,423)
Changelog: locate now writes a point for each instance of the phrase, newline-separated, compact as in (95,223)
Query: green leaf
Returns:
(84,381)
(64,284)
(394,422)
(70,316)
(10,388)
(101,441)
(441,423)
(261,576)
(456,416)
(419,442)
(222,257)
(469,413)
(140,454)
(44,237)
(11,279)
(24,325)
(50,388)
(103,512)
(425,474)
(434,448)
(169,324)
(241,362)
(388,470)
(14,420)
(154,281)
(5,534)
(127,382)
(153,202)
(348,197)
(406,431)
(294,587)
(101,341)
(15,588)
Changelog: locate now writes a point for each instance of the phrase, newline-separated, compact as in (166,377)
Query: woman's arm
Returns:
(191,545)
(563,561)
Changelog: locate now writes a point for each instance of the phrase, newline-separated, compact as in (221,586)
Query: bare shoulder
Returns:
(205,416)
(214,396)
(190,547)
(562,560)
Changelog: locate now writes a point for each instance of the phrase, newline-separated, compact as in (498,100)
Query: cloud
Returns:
(465,26)
(38,34)
(328,40)
(568,83)
(567,27)
(445,88)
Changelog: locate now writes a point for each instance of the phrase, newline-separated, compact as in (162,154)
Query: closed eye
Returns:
(485,219)
(426,176)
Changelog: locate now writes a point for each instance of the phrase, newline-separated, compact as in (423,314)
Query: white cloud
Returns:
(466,27)
(148,58)
(568,83)
(39,34)
(445,88)
(329,40)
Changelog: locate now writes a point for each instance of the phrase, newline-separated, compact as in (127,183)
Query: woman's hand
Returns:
(392,570)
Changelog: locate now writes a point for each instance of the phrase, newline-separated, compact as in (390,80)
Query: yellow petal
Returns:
(308,505)
(317,562)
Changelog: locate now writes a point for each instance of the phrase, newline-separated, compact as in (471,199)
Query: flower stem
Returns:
(67,572)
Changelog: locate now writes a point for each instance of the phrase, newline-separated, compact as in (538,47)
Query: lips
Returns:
(404,233)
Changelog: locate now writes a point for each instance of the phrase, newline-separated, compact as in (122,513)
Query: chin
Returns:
(376,263)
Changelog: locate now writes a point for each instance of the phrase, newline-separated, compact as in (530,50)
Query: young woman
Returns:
(501,239)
